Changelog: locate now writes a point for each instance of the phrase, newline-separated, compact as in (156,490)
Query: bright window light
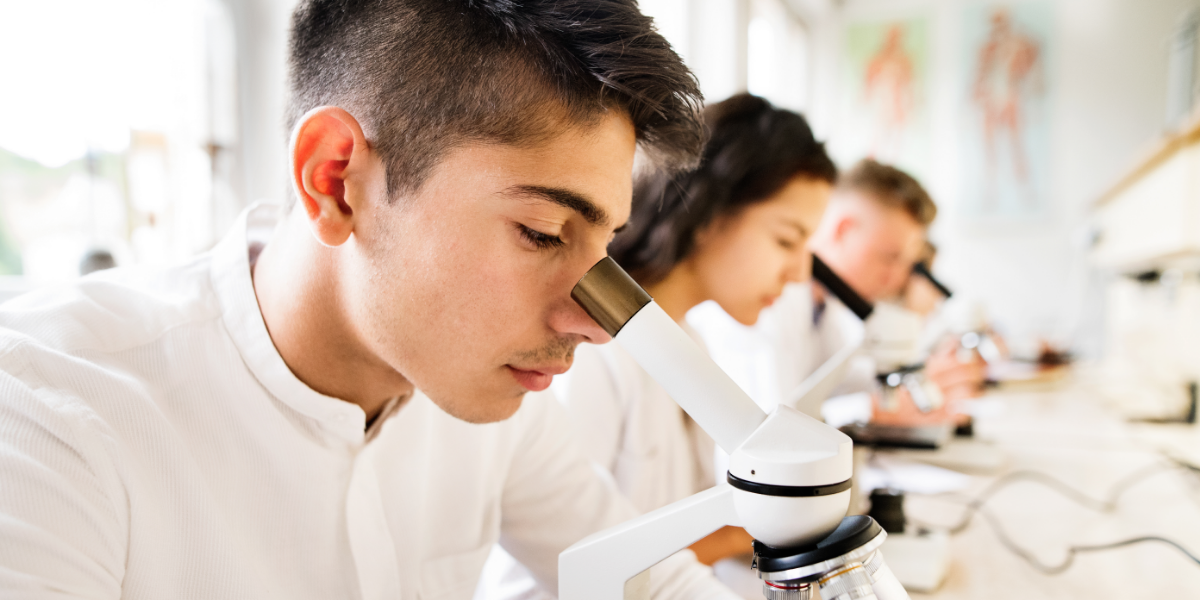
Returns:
(114,132)
(776,55)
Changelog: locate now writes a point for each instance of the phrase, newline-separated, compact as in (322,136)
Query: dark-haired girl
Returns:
(732,231)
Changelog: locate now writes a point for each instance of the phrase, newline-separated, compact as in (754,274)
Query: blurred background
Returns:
(134,131)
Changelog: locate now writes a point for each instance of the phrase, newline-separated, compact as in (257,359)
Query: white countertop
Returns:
(1068,433)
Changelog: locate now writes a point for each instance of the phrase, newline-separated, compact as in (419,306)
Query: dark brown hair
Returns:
(423,76)
(754,150)
(891,187)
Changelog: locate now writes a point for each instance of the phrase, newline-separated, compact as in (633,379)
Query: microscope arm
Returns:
(604,565)
(666,353)
(816,388)
(691,377)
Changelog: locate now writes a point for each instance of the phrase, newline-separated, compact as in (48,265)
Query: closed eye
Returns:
(539,240)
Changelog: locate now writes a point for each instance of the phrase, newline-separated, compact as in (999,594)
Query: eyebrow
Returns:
(803,230)
(566,198)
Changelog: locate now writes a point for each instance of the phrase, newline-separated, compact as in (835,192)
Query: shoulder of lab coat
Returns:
(804,342)
(771,357)
(838,327)
(746,354)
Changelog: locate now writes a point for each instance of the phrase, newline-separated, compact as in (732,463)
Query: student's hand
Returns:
(958,373)
(905,413)
(723,543)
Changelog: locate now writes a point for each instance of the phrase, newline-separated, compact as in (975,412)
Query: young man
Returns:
(871,235)
(339,414)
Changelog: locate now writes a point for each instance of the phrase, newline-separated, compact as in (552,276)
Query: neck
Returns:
(678,292)
(296,281)
(818,293)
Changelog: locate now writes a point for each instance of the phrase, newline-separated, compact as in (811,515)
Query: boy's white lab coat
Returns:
(153,444)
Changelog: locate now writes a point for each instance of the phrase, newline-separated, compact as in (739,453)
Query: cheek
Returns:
(491,298)
(445,292)
(899,275)
(742,272)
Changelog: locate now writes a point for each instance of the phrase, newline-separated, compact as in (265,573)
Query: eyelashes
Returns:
(540,240)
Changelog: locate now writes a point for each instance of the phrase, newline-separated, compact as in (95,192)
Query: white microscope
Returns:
(789,476)
(892,338)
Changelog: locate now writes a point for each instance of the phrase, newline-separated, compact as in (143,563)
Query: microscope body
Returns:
(893,339)
(789,474)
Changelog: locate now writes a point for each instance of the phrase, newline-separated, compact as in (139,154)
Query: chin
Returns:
(746,317)
(484,407)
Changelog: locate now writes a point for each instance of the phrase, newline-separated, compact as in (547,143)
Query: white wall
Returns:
(1108,81)
(1109,98)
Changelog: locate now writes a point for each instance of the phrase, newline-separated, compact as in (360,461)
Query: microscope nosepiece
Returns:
(609,295)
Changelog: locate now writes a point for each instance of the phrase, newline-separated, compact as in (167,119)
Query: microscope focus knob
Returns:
(850,582)
(786,590)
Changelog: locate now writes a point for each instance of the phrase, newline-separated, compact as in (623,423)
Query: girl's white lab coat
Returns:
(791,339)
(629,425)
(632,429)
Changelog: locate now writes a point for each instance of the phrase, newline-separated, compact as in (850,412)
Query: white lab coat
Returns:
(154,445)
(788,343)
(630,427)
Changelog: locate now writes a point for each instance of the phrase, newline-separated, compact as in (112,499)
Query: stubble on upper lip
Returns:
(554,358)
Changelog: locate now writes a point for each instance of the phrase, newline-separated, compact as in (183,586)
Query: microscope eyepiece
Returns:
(922,269)
(609,295)
(839,288)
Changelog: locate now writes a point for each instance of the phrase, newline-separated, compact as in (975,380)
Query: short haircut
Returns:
(754,150)
(891,187)
(424,76)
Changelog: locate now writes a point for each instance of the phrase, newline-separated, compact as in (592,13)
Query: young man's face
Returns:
(870,245)
(465,285)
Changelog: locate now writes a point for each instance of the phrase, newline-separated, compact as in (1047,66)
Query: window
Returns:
(116,136)
(734,45)
(777,55)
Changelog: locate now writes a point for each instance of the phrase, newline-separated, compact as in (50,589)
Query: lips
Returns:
(536,380)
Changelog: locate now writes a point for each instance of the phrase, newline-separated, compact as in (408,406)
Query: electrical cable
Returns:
(1073,551)
(1191,476)
(976,506)
(1106,505)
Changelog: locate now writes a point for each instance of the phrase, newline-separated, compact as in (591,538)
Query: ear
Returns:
(329,159)
(846,222)
(705,233)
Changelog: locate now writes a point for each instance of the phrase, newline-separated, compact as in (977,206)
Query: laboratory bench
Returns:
(1068,432)
(1064,428)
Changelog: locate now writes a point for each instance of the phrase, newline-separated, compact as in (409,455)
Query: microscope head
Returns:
(792,479)
(893,337)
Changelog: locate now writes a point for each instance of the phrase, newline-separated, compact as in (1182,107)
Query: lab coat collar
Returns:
(243,321)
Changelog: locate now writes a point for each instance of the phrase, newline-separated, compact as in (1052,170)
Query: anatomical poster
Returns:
(885,93)
(1006,110)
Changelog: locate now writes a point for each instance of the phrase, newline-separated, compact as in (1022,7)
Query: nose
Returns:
(896,279)
(569,319)
(799,267)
